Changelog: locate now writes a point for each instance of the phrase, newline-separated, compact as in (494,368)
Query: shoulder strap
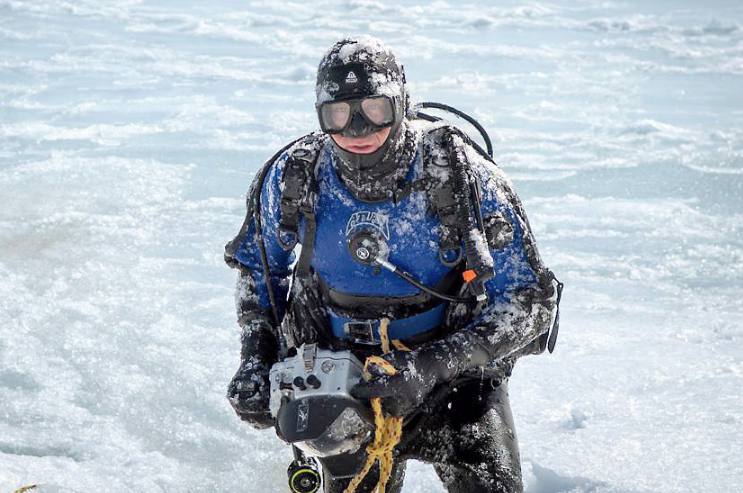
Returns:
(298,199)
(455,197)
(252,202)
(438,185)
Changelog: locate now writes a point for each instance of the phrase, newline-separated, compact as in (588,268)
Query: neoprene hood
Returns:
(358,67)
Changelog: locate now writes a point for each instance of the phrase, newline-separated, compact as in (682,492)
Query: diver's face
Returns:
(362,145)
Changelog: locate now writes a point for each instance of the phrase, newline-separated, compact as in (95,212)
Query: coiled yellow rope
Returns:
(388,428)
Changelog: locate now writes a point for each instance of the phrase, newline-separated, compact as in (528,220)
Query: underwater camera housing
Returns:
(314,409)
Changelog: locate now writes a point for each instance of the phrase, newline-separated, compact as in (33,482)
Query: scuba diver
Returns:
(409,233)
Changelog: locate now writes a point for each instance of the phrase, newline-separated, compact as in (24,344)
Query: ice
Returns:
(130,131)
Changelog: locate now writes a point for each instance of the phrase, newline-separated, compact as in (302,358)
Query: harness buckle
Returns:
(308,356)
(361,331)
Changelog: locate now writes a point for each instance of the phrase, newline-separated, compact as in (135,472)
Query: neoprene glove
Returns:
(513,327)
(249,390)
(419,371)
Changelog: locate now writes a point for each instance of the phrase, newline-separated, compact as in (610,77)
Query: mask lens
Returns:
(378,110)
(336,115)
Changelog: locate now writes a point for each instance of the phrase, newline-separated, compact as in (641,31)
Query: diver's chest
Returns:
(353,236)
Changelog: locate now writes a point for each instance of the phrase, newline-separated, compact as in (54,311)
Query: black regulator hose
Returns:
(423,287)
(461,114)
(392,268)
(368,248)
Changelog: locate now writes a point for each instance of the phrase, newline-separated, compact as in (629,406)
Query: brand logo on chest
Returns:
(380,222)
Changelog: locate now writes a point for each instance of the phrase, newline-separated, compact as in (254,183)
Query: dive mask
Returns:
(356,117)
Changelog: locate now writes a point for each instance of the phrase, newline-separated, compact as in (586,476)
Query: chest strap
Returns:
(394,307)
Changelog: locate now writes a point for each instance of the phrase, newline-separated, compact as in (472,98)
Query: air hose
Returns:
(392,268)
(461,114)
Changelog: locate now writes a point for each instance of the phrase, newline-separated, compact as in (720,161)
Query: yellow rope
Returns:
(400,346)
(388,428)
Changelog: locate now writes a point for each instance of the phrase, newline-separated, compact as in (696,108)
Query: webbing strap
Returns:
(297,178)
(298,198)
(308,243)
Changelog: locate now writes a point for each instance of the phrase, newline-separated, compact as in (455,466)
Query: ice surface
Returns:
(130,131)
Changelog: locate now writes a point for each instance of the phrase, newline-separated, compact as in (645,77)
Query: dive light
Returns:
(303,475)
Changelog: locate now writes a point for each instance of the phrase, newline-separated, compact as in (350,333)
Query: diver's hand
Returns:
(249,393)
(403,392)
(249,390)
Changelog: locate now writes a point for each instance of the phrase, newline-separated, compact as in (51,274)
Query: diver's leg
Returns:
(394,485)
(485,451)
(471,441)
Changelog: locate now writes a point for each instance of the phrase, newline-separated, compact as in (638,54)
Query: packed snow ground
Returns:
(130,130)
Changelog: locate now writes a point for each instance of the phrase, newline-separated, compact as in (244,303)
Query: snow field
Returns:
(130,130)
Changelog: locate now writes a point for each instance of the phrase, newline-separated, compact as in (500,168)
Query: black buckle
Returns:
(287,238)
(361,331)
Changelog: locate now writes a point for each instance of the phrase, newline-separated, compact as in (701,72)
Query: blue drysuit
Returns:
(410,232)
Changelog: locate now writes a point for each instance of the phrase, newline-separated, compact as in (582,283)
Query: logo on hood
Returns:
(351,78)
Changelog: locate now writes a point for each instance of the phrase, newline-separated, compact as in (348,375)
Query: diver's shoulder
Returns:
(308,145)
(440,139)
(307,148)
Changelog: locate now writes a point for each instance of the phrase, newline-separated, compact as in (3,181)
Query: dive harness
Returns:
(457,203)
(459,211)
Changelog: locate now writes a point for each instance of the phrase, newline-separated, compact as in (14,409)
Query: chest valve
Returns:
(367,246)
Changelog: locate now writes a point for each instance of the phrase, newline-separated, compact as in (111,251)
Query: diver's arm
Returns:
(507,328)
(248,391)
(252,298)
(522,298)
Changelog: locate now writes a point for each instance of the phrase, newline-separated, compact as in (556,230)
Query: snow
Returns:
(383,83)
(130,131)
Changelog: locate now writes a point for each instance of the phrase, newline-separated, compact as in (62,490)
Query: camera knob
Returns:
(313,382)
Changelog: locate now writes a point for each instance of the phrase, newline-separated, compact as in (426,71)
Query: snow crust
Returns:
(359,51)
(130,131)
